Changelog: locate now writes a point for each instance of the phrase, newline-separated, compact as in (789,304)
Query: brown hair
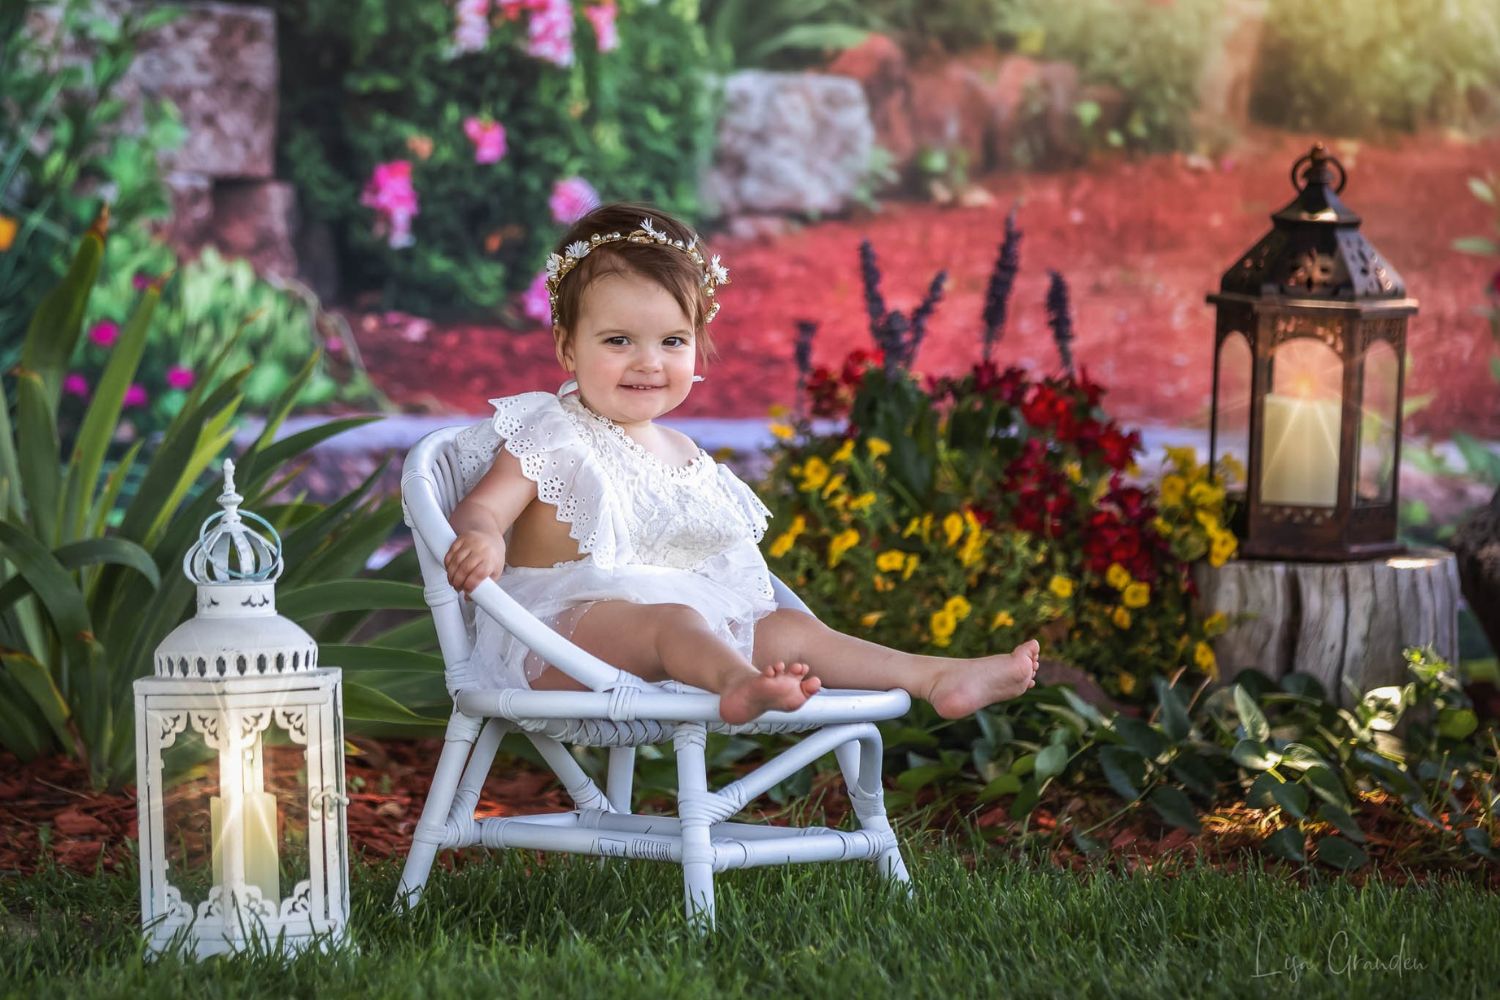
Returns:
(670,268)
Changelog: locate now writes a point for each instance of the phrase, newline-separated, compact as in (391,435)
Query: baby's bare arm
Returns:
(482,518)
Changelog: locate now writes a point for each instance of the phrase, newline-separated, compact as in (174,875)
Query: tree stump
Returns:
(1347,624)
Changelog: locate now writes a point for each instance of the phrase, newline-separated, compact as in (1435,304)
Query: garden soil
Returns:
(1140,242)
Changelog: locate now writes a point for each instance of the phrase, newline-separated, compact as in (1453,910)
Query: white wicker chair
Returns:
(622,712)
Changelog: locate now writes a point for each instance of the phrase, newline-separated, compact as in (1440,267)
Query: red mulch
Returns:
(1140,241)
(49,800)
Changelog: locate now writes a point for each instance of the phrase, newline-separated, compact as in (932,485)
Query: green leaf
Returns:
(1254,755)
(1004,784)
(37,452)
(1291,797)
(58,321)
(1086,844)
(1080,706)
(1051,761)
(1144,739)
(306,602)
(1176,808)
(1339,817)
(1123,770)
(1479,842)
(76,555)
(1301,757)
(50,582)
(1327,785)
(1174,717)
(1194,772)
(1251,717)
(917,778)
(360,657)
(365,704)
(1477,245)
(1482,190)
(1457,723)
(32,676)
(1287,843)
(1339,853)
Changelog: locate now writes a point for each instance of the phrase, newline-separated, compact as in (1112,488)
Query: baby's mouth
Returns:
(645,388)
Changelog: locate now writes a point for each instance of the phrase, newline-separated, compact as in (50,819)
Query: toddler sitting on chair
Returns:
(626,537)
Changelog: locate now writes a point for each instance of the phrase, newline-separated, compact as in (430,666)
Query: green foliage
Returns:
(1356,68)
(780,34)
(76,623)
(379,81)
(61,146)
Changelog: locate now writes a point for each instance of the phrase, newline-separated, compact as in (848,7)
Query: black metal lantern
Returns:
(1309,371)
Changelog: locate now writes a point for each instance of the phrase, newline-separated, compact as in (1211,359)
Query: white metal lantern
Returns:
(232,675)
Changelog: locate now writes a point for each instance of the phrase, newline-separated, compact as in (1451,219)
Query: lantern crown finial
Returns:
(228,549)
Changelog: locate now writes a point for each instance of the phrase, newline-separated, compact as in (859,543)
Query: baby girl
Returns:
(626,537)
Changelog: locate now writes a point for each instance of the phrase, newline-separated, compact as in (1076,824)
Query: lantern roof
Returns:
(1314,249)
(255,558)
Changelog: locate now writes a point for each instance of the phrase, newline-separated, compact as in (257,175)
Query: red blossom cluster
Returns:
(831,395)
(1118,531)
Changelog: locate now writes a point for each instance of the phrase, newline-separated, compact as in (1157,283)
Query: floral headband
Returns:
(558,265)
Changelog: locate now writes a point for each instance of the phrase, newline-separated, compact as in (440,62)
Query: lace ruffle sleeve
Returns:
(746,504)
(553,454)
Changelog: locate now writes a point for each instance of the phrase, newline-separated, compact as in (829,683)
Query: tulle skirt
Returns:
(560,595)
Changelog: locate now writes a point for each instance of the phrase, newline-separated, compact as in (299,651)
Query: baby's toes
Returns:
(797,669)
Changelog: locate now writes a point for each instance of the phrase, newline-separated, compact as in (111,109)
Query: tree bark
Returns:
(1347,624)
(1477,545)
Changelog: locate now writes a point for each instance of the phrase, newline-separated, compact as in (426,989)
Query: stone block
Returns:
(257,220)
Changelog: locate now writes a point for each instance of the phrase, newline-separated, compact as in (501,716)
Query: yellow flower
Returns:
(783,544)
(1222,547)
(912,527)
(1121,618)
(1172,488)
(1208,520)
(878,447)
(834,485)
(1232,469)
(799,524)
(1184,457)
(1203,656)
(1216,624)
(862,502)
(814,474)
(973,549)
(841,543)
(953,527)
(1136,595)
(845,451)
(1163,526)
(911,565)
(958,607)
(1206,495)
(1074,472)
(1061,586)
(1002,619)
(777,410)
(7,232)
(942,624)
(890,561)
(1127,682)
(1117,576)
(883,584)
(869,620)
(782,432)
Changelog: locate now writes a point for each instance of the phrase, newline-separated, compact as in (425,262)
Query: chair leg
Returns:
(697,849)
(433,826)
(859,760)
(621,777)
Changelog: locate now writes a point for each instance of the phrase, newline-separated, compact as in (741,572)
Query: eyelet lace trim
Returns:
(675,471)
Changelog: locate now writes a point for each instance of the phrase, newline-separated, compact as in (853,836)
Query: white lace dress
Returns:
(647,531)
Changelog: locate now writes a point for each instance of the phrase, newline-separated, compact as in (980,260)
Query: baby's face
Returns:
(633,351)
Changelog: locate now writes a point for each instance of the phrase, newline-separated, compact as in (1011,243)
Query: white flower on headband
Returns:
(719,272)
(553,263)
(577,249)
(652,230)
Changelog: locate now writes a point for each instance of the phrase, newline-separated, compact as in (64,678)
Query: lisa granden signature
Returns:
(1339,961)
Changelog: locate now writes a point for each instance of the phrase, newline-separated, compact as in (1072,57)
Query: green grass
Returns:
(1007,928)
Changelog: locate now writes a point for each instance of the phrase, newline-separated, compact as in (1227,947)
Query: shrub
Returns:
(1358,68)
(389,115)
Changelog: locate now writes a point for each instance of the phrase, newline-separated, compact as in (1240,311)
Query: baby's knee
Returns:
(668,620)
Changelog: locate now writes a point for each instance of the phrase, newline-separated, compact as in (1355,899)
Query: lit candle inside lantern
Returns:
(262,868)
(1300,454)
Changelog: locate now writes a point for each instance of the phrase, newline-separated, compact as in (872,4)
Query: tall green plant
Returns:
(83,606)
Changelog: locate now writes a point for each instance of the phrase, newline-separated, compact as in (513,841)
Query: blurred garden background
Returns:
(966,355)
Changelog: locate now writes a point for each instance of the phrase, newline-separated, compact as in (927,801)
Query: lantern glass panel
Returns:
(1232,416)
(190,781)
(1377,425)
(1300,421)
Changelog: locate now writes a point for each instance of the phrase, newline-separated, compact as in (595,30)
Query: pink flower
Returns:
(140,281)
(488,138)
(549,32)
(572,199)
(179,377)
(472,32)
(135,395)
(105,333)
(390,193)
(534,301)
(602,17)
(75,384)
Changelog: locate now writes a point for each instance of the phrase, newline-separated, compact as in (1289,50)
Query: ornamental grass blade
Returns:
(1176,808)
(1339,853)
(10,474)
(51,584)
(40,687)
(103,415)
(89,552)
(58,320)
(37,450)
(365,704)
(301,604)
(21,731)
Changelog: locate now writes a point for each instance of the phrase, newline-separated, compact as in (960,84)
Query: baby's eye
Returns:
(618,339)
(676,341)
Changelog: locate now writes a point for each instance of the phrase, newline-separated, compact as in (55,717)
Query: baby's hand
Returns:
(473,558)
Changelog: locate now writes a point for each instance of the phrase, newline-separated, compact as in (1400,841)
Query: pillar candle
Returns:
(1300,451)
(262,865)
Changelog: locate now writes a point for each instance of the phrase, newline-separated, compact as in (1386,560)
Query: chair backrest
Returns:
(432,484)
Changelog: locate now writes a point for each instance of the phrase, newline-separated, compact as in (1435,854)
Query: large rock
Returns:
(217,63)
(880,68)
(256,220)
(1228,71)
(191,224)
(792,143)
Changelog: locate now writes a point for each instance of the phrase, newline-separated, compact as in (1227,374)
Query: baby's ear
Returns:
(564,348)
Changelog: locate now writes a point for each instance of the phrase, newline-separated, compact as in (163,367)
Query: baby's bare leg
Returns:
(955,687)
(656,641)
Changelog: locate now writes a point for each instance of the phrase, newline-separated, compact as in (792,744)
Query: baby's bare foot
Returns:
(776,687)
(965,686)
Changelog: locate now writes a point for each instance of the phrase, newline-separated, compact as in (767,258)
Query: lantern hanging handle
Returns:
(1316,159)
